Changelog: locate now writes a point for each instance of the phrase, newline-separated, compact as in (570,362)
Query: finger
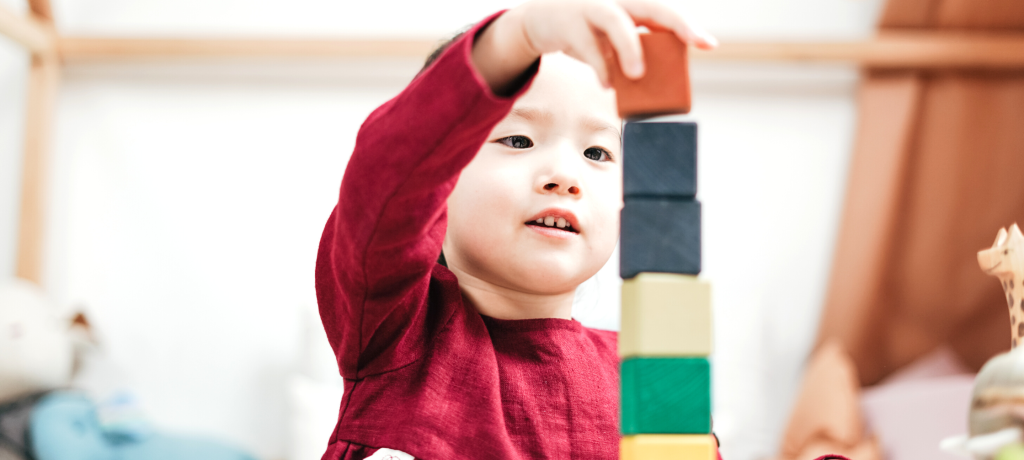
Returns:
(621,32)
(588,51)
(660,16)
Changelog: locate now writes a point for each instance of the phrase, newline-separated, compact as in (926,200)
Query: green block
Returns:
(666,395)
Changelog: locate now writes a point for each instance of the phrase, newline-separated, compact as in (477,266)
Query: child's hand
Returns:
(575,27)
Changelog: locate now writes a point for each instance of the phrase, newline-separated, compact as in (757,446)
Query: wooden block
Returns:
(660,159)
(665,86)
(668,446)
(665,315)
(659,235)
(666,396)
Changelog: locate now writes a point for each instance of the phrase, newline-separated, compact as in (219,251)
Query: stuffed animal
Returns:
(42,419)
(38,352)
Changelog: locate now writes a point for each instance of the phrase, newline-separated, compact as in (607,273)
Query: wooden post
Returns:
(890,50)
(42,10)
(44,78)
(30,32)
(75,49)
(37,33)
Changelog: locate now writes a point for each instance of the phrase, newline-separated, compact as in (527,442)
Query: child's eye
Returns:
(517,142)
(597,154)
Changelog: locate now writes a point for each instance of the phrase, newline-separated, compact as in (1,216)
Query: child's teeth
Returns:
(561,222)
(540,221)
(549,221)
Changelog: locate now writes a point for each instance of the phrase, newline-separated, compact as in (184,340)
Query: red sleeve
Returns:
(383,238)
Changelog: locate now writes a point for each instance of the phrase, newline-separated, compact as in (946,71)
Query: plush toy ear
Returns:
(81,330)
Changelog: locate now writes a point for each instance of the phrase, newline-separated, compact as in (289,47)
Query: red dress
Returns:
(425,373)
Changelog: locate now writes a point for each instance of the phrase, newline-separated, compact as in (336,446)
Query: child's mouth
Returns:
(554,223)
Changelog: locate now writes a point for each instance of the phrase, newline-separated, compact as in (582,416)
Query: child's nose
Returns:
(560,173)
(554,187)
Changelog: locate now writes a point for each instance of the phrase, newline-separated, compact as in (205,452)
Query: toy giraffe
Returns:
(996,417)
(1005,260)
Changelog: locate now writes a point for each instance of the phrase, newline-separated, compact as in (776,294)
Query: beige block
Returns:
(665,315)
(668,447)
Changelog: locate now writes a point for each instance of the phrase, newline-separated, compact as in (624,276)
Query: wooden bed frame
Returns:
(911,50)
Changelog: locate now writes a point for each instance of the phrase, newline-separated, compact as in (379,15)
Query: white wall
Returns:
(192,208)
(189,199)
(774,146)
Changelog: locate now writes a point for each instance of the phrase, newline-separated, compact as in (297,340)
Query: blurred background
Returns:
(187,197)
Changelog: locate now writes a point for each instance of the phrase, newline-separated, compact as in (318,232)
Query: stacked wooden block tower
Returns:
(666,337)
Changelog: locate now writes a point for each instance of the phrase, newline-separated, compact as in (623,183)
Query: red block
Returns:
(664,88)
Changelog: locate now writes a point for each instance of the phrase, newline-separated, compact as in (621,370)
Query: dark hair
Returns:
(443,47)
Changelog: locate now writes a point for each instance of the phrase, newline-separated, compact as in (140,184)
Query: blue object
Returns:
(660,160)
(660,235)
(65,426)
(122,419)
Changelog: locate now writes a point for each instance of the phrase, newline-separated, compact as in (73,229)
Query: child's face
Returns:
(556,155)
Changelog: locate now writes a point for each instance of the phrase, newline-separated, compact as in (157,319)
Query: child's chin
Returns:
(552,276)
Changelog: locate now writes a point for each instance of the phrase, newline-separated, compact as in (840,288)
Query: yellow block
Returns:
(668,447)
(665,315)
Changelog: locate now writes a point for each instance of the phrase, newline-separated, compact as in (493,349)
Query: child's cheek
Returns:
(493,196)
(611,204)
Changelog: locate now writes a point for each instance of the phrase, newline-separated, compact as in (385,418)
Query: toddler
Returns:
(475,203)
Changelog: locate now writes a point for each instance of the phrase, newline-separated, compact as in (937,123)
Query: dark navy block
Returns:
(660,159)
(660,235)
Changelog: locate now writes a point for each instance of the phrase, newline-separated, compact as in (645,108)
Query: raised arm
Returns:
(384,236)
